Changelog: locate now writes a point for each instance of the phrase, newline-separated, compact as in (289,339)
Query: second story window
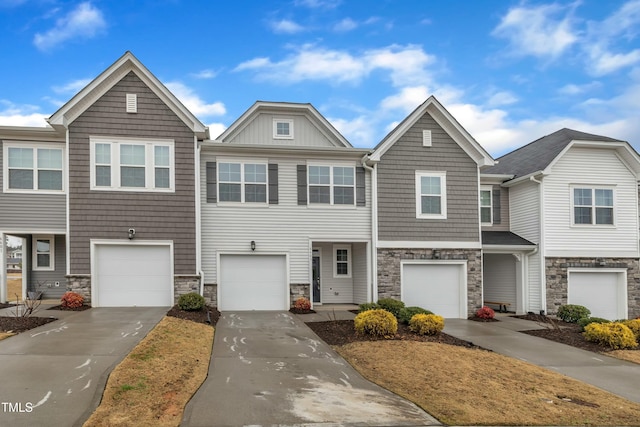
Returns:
(242,182)
(431,195)
(33,169)
(486,203)
(593,206)
(283,128)
(332,185)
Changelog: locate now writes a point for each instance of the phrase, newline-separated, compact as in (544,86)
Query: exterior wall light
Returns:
(132,233)
(436,254)
(253,245)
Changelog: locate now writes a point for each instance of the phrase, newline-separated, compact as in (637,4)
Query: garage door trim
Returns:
(621,292)
(220,254)
(462,264)
(94,244)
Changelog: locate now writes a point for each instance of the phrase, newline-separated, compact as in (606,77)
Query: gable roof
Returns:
(539,155)
(446,121)
(109,78)
(306,109)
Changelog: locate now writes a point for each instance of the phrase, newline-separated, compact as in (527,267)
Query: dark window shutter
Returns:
(360,187)
(496,206)
(211,182)
(302,184)
(273,183)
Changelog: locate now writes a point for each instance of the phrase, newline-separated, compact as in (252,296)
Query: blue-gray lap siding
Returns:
(45,281)
(109,214)
(397,188)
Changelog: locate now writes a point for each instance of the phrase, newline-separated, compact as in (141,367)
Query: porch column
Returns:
(3,268)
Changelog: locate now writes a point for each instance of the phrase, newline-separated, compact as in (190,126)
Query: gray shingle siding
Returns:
(397,195)
(45,281)
(108,215)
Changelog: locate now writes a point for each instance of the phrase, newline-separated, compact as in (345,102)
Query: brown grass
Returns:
(468,386)
(4,335)
(628,355)
(14,286)
(152,385)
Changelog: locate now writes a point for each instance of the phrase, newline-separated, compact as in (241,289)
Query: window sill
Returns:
(23,191)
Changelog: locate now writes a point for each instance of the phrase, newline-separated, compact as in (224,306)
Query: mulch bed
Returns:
(61,308)
(21,324)
(199,316)
(300,311)
(481,319)
(6,305)
(341,332)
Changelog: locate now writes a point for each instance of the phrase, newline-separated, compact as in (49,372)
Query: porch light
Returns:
(253,245)
(436,254)
(132,233)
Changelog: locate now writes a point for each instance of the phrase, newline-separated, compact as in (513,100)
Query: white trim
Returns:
(621,296)
(319,274)
(443,194)
(590,253)
(67,242)
(331,165)
(198,207)
(276,121)
(593,205)
(507,249)
(424,244)
(93,243)
(426,138)
(132,103)
(242,183)
(488,188)
(34,252)
(334,261)
(35,146)
(3,267)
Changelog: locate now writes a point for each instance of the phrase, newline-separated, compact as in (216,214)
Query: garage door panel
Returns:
(436,287)
(601,292)
(253,282)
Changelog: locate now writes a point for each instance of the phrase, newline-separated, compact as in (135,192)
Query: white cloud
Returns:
(204,74)
(346,25)
(537,31)
(318,4)
(20,115)
(85,21)
(574,89)
(193,102)
(501,98)
(72,87)
(358,130)
(285,26)
(216,129)
(406,100)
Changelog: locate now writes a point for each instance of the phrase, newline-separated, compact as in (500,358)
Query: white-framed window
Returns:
(331,185)
(342,261)
(283,128)
(43,253)
(242,182)
(431,195)
(593,205)
(132,164)
(33,168)
(486,205)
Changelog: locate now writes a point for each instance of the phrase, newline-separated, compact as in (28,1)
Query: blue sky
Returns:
(509,71)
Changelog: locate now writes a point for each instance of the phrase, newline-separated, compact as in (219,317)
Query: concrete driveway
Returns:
(269,368)
(54,375)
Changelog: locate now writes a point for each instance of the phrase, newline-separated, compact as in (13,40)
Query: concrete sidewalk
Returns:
(54,375)
(269,368)
(608,373)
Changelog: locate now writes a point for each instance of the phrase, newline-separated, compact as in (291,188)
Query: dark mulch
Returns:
(481,319)
(61,308)
(301,311)
(199,316)
(341,332)
(6,305)
(21,324)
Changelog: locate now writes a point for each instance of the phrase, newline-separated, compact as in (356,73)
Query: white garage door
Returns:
(440,288)
(253,282)
(133,275)
(604,293)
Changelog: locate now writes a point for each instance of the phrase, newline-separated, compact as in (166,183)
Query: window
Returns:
(332,185)
(33,169)
(283,128)
(486,204)
(342,261)
(431,195)
(593,206)
(132,165)
(242,182)
(43,255)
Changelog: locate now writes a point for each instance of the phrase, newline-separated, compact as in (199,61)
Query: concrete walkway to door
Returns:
(608,373)
(269,368)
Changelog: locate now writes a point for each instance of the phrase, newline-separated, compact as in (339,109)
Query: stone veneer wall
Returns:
(557,282)
(185,283)
(389,271)
(211,294)
(80,284)
(298,290)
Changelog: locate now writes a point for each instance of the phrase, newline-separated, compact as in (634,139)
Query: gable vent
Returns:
(132,103)
(426,138)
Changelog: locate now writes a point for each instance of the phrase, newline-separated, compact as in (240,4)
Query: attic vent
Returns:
(426,138)
(132,103)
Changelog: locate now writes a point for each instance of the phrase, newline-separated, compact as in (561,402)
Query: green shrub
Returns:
(406,313)
(589,320)
(634,325)
(191,302)
(376,322)
(393,306)
(426,324)
(367,306)
(572,312)
(613,335)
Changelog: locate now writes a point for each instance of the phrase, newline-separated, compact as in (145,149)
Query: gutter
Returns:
(374,226)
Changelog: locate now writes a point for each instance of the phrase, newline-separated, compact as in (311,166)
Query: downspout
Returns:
(374,227)
(543,277)
(198,214)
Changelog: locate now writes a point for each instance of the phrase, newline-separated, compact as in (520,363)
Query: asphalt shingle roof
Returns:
(504,238)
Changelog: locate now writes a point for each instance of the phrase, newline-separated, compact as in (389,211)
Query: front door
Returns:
(315,275)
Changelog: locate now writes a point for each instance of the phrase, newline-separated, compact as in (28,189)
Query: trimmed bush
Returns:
(393,306)
(407,313)
(485,313)
(589,320)
(613,335)
(302,303)
(426,324)
(71,300)
(572,312)
(191,302)
(377,322)
(634,325)
(367,306)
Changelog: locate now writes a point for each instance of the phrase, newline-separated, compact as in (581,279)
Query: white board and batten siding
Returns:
(524,206)
(590,167)
(285,227)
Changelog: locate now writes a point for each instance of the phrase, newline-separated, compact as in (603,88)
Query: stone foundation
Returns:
(211,294)
(389,271)
(184,284)
(557,281)
(298,290)
(80,284)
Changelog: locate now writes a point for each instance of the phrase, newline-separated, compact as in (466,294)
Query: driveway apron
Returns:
(54,375)
(269,368)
